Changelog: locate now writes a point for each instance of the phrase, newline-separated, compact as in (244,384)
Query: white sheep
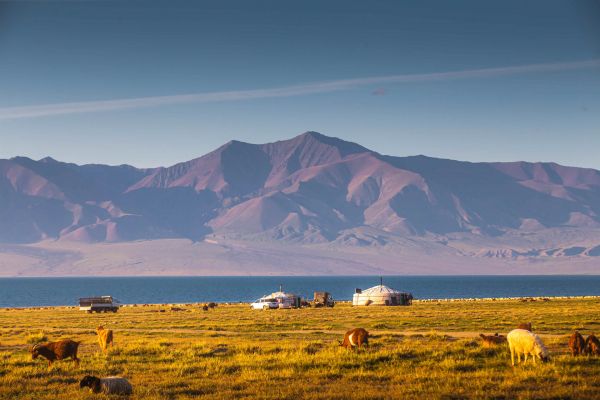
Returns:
(108,385)
(528,343)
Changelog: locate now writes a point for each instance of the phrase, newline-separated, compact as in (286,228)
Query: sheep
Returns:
(592,345)
(205,307)
(525,325)
(528,343)
(355,337)
(105,337)
(576,344)
(109,385)
(56,351)
(492,340)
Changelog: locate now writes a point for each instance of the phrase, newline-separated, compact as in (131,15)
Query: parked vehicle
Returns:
(323,299)
(264,303)
(278,299)
(99,304)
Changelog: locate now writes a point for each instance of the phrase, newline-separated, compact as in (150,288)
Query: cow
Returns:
(105,337)
(576,344)
(492,340)
(525,325)
(356,337)
(56,351)
(592,345)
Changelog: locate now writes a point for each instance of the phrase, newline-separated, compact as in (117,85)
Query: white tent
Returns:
(285,300)
(278,299)
(381,295)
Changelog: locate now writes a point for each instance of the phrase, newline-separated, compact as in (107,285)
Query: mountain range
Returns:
(331,205)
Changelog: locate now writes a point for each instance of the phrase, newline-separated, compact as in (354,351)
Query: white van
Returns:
(264,304)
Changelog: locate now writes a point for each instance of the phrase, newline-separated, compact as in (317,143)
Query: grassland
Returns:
(428,350)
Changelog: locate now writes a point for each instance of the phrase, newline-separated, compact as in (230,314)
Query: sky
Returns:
(155,83)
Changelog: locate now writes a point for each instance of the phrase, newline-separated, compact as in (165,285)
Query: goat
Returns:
(523,341)
(105,337)
(492,340)
(592,345)
(56,351)
(525,325)
(109,385)
(355,337)
(576,344)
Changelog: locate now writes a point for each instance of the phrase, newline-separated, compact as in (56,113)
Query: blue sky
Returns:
(113,74)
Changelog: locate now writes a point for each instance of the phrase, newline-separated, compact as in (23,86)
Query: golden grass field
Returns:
(427,350)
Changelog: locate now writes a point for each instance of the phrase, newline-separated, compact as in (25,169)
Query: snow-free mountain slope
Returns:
(311,190)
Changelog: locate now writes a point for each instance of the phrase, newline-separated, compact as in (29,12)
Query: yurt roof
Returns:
(379,289)
(277,295)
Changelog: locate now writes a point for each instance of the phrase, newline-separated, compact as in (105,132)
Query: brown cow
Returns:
(576,344)
(356,337)
(492,340)
(526,326)
(56,351)
(105,337)
(592,345)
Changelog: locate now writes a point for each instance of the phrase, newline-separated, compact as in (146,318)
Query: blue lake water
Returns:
(25,292)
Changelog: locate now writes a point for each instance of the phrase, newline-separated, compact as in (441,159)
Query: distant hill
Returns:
(312,190)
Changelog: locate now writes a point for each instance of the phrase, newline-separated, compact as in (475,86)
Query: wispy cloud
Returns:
(286,91)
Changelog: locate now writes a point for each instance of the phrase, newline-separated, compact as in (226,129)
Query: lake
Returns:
(27,292)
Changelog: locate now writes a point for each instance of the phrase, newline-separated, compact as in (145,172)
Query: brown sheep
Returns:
(356,337)
(492,340)
(576,344)
(56,351)
(592,345)
(205,307)
(105,337)
(526,326)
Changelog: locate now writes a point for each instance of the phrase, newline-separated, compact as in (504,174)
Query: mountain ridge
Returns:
(310,190)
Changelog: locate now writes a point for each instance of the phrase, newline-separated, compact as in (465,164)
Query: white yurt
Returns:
(278,299)
(285,300)
(381,295)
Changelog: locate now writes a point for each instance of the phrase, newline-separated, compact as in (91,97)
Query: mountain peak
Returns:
(312,134)
(342,146)
(47,160)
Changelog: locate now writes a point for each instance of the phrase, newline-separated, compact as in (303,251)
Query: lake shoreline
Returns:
(417,301)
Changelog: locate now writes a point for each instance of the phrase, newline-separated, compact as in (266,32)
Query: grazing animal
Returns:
(205,307)
(105,337)
(212,305)
(56,351)
(356,337)
(526,326)
(492,340)
(576,344)
(108,385)
(522,341)
(592,345)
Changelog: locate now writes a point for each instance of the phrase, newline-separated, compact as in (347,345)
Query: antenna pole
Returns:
(381,280)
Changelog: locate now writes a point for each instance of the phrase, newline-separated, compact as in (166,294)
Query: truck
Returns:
(99,304)
(323,299)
